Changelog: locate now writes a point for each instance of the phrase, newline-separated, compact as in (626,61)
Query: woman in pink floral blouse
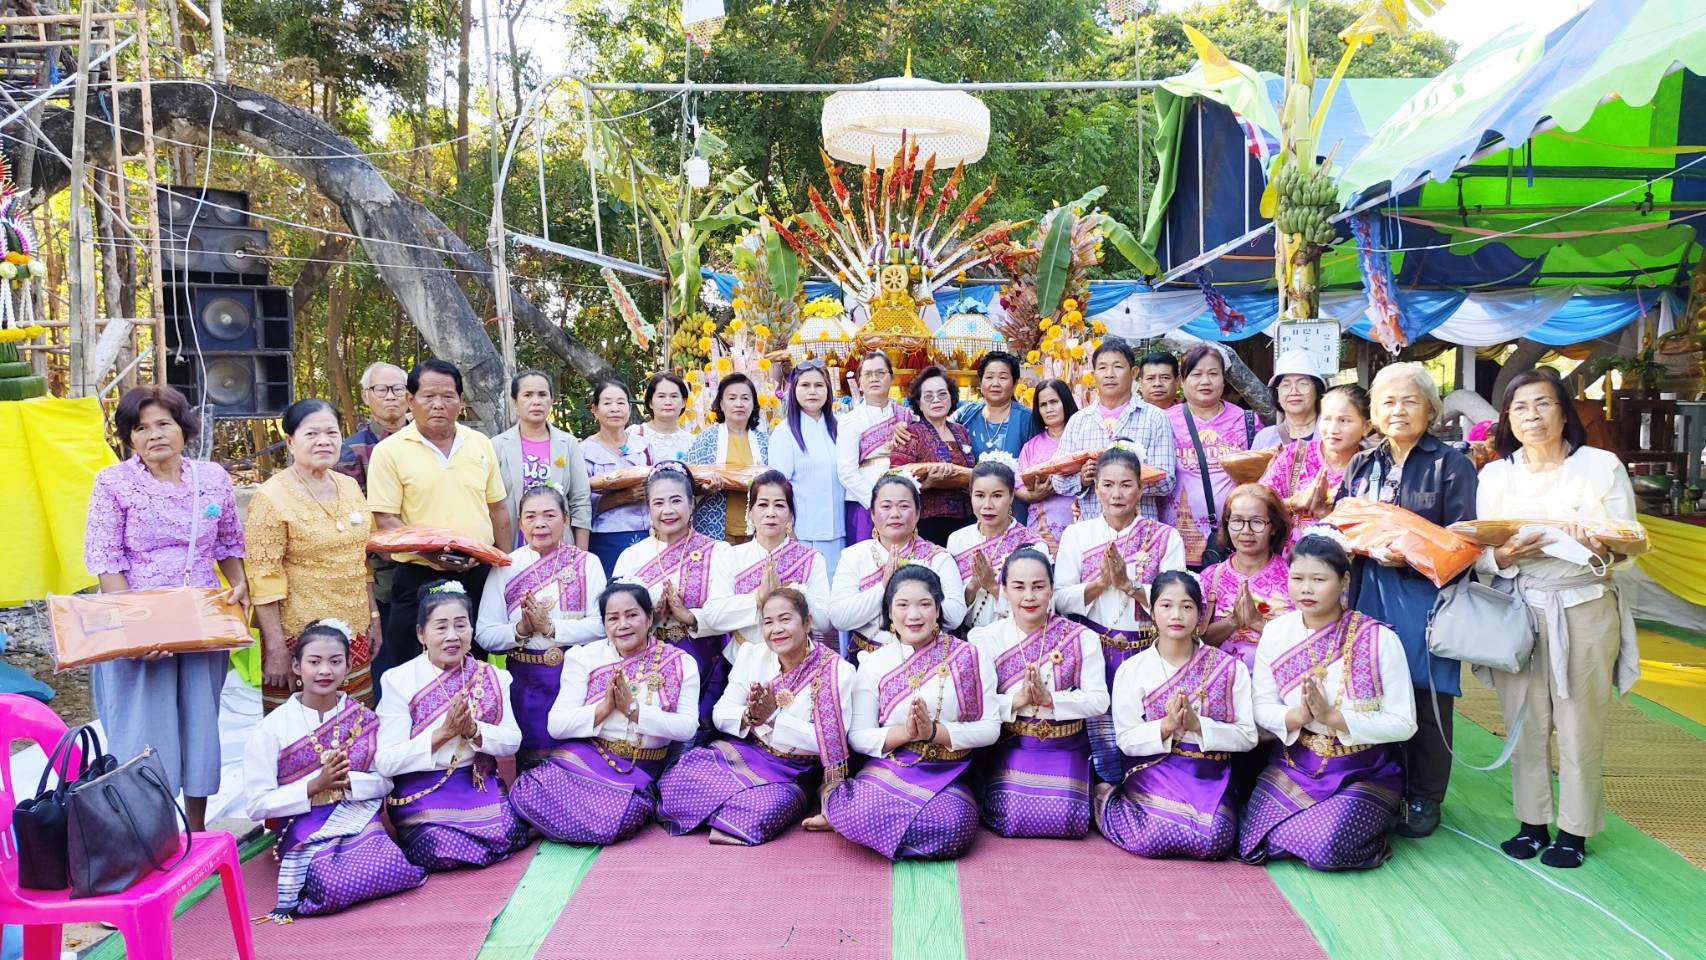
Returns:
(160,519)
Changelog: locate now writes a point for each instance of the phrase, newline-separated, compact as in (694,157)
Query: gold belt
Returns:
(671,632)
(552,657)
(1145,638)
(865,643)
(934,751)
(1198,754)
(1325,745)
(784,754)
(1044,729)
(623,748)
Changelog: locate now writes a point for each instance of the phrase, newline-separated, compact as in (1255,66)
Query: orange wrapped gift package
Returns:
(1062,464)
(1428,548)
(1247,466)
(428,540)
(92,628)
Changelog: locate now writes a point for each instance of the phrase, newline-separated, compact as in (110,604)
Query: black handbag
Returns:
(1212,551)
(41,822)
(121,825)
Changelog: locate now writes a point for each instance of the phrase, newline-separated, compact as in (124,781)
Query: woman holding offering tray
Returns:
(942,444)
(1051,513)
(736,441)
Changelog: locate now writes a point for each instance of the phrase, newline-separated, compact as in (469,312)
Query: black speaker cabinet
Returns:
(215,250)
(203,318)
(234,385)
(183,206)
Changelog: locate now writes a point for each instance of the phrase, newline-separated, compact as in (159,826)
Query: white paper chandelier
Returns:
(951,124)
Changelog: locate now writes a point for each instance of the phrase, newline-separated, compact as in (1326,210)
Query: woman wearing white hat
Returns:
(1295,388)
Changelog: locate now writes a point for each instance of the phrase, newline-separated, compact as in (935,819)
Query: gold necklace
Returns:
(330,512)
(325,753)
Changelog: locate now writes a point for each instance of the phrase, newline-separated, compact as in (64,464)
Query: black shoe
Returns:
(1418,819)
(1528,842)
(1567,852)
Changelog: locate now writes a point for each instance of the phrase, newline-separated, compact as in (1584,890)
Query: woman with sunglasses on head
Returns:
(784,725)
(802,449)
(1048,681)
(624,701)
(738,441)
(856,596)
(981,549)
(1206,427)
(920,706)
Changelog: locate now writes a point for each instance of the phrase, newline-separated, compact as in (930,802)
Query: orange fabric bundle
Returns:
(430,540)
(92,628)
(1247,466)
(724,477)
(1428,548)
(1062,464)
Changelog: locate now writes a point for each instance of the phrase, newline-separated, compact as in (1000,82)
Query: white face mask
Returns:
(1567,549)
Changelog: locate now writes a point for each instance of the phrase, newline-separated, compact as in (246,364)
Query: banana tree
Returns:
(683,220)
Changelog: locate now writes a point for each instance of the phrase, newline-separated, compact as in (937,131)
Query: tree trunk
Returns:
(462,51)
(388,224)
(1524,357)
(337,372)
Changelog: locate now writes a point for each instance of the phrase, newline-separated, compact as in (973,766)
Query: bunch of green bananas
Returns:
(1305,203)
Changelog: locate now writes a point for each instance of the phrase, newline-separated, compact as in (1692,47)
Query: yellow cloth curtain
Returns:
(50,451)
(1677,559)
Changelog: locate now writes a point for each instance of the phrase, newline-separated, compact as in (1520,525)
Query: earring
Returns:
(749,526)
(790,533)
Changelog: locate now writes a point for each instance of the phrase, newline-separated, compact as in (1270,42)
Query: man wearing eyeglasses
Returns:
(384,388)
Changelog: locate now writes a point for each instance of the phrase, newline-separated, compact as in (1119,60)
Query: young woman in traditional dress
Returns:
(1307,474)
(624,700)
(545,601)
(1333,686)
(920,706)
(310,764)
(982,548)
(862,445)
(444,719)
(1101,576)
(687,575)
(1182,709)
(856,599)
(1048,680)
(770,560)
(1249,588)
(784,724)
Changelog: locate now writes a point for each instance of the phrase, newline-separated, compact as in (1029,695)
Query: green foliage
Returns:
(1254,37)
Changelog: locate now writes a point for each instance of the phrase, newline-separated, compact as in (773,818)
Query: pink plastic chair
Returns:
(143,914)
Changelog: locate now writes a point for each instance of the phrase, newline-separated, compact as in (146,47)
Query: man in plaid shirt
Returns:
(1117,414)
(384,390)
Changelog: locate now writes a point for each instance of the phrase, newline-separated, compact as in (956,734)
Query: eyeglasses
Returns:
(1542,407)
(1253,524)
(1295,386)
(388,389)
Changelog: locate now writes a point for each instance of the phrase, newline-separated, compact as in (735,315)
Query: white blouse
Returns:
(1393,721)
(1148,671)
(263,798)
(571,717)
(790,728)
(860,611)
(664,446)
(1112,609)
(866,731)
(495,626)
(984,608)
(399,753)
(856,478)
(721,610)
(1088,699)
(740,611)
(1591,484)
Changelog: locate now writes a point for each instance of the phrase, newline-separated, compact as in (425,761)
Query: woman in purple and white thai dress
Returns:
(1048,681)
(921,705)
(862,574)
(688,578)
(865,437)
(444,719)
(1334,687)
(1101,575)
(1249,588)
(783,719)
(543,603)
(981,549)
(772,558)
(308,767)
(1182,710)
(624,701)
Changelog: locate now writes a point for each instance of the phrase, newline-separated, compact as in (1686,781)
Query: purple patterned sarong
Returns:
(1174,805)
(577,796)
(533,689)
(1330,812)
(347,870)
(1118,646)
(738,787)
(1038,788)
(922,811)
(457,824)
(857,521)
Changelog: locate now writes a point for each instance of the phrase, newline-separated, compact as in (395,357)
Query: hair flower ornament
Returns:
(1330,532)
(1001,457)
(337,625)
(448,586)
(1132,447)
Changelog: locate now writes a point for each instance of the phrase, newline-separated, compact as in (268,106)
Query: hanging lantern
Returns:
(951,124)
(698,172)
(702,20)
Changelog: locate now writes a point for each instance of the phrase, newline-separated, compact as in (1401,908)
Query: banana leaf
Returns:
(781,264)
(1054,263)
(1127,244)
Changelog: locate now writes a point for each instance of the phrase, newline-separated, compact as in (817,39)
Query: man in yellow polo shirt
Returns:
(434,472)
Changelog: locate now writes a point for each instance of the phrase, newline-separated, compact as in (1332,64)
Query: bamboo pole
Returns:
(82,245)
(156,282)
